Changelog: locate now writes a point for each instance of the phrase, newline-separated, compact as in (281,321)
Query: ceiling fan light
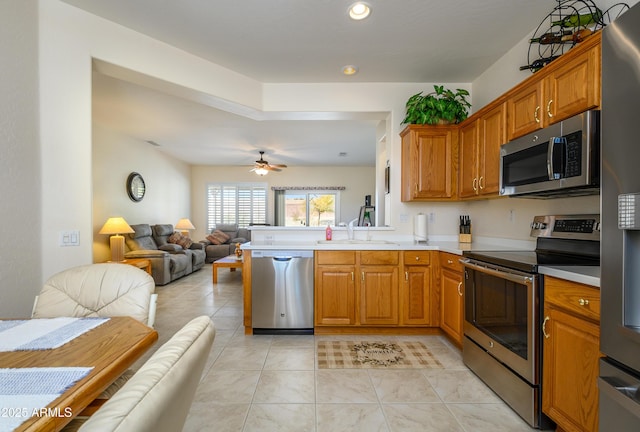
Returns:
(261,171)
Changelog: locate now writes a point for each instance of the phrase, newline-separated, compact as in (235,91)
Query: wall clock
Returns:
(135,187)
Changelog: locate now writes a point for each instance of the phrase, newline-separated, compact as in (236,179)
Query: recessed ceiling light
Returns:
(350,70)
(359,11)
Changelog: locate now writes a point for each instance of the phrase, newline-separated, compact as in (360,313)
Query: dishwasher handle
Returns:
(281,255)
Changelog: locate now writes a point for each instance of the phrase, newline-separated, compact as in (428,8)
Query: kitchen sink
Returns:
(356,242)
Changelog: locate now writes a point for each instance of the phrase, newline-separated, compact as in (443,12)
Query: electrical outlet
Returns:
(404,218)
(432,217)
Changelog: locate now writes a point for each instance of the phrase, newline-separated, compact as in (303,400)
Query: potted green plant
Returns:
(442,106)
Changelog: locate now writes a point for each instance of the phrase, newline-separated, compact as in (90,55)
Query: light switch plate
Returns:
(69,238)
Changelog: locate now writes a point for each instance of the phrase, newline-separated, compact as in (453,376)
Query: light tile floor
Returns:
(271,383)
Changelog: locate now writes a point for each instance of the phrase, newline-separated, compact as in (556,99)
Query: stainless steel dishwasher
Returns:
(282,291)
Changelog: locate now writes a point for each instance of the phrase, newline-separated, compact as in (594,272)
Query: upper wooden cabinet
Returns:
(563,88)
(479,146)
(429,156)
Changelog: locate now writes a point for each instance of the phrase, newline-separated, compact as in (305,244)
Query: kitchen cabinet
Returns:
(363,289)
(419,306)
(452,296)
(429,162)
(379,288)
(335,289)
(563,88)
(479,152)
(571,352)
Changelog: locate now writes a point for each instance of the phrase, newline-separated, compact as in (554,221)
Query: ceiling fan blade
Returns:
(271,168)
(278,165)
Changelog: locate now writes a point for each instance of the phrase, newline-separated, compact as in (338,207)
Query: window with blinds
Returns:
(236,203)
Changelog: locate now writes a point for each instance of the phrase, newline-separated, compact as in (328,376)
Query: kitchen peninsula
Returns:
(376,282)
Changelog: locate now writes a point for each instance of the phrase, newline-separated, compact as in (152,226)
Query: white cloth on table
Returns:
(25,392)
(43,333)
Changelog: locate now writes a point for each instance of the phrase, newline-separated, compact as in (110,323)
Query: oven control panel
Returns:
(579,227)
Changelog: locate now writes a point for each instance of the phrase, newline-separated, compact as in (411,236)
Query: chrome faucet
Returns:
(350,228)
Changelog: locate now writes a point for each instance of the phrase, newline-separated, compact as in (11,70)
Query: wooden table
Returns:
(229,261)
(141,263)
(110,348)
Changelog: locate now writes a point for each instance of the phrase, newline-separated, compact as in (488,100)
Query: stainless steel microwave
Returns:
(562,159)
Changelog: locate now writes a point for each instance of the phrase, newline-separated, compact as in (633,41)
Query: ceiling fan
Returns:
(262,167)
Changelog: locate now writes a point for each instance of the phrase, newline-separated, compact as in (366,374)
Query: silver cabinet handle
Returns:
(362,276)
(583,302)
(406,276)
(544,327)
(352,277)
(481,182)
(475,184)
(535,114)
(459,289)
(449,261)
(549,108)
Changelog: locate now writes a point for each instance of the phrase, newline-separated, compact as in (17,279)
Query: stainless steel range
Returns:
(503,308)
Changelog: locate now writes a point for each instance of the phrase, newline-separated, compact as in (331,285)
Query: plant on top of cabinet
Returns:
(442,106)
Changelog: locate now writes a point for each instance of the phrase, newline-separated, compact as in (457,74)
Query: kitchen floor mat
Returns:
(371,355)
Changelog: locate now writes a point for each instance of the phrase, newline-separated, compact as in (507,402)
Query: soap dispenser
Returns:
(328,232)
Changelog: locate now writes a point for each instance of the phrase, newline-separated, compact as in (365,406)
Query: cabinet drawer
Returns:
(417,257)
(379,257)
(450,261)
(579,299)
(335,257)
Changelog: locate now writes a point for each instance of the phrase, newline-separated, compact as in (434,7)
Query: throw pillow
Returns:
(218,237)
(181,240)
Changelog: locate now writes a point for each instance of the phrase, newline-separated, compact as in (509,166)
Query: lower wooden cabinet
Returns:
(364,288)
(417,303)
(335,295)
(571,354)
(451,296)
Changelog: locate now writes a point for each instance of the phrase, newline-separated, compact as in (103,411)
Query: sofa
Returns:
(217,245)
(169,261)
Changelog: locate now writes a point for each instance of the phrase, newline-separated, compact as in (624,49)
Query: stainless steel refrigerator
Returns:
(619,382)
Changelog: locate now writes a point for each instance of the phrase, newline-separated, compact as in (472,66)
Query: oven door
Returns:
(501,315)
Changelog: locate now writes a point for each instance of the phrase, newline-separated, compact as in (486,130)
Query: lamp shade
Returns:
(116,225)
(184,224)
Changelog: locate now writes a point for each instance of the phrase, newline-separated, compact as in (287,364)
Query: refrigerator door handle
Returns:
(623,394)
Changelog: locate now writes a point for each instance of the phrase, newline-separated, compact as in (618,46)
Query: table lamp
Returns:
(184,225)
(116,226)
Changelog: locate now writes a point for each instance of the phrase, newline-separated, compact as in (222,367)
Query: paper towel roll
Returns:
(420,227)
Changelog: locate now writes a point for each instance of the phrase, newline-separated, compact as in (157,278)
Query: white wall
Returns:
(20,263)
(167,181)
(359,181)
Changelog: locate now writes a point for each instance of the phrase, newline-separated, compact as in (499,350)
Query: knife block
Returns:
(464,238)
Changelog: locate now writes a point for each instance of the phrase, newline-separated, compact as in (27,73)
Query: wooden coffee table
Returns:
(229,261)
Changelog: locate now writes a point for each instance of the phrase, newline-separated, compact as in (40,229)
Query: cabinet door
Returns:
(416,296)
(428,162)
(335,300)
(468,160)
(570,371)
(451,313)
(379,295)
(524,110)
(574,87)
(492,127)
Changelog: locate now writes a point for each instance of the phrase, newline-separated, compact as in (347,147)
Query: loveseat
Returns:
(221,242)
(169,261)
